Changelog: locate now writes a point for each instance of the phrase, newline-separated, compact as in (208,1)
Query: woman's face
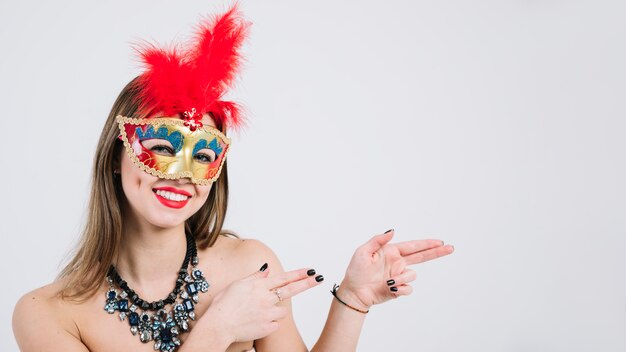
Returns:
(160,202)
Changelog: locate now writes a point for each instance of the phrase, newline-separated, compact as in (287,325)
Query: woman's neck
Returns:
(150,257)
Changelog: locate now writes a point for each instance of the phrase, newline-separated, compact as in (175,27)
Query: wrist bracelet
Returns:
(334,292)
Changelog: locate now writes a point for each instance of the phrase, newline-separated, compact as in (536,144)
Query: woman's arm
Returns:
(211,331)
(342,329)
(286,338)
(377,273)
(366,283)
(250,309)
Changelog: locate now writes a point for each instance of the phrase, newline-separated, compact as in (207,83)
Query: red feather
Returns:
(178,81)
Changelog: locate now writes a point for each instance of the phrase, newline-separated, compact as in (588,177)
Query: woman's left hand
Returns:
(379,270)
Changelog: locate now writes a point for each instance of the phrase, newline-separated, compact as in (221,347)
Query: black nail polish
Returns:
(390,282)
(264,267)
(310,272)
(319,278)
(388,230)
(394,289)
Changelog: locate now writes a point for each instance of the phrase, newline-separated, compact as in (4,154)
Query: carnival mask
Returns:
(168,148)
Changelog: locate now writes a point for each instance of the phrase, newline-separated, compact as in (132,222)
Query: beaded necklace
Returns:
(155,322)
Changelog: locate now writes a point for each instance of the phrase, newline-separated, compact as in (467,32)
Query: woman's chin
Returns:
(166,219)
(167,223)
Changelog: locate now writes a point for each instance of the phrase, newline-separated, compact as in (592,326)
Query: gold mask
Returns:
(166,148)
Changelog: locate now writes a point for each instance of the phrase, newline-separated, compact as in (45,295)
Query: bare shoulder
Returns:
(247,254)
(38,305)
(41,316)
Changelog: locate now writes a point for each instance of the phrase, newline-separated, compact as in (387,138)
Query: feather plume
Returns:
(179,80)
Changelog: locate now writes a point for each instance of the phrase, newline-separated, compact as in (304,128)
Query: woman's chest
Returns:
(103,331)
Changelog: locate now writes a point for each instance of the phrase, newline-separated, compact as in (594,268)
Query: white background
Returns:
(497,126)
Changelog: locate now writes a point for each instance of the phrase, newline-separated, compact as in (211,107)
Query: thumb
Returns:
(261,273)
(378,241)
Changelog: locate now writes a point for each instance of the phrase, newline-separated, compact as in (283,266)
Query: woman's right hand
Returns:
(248,309)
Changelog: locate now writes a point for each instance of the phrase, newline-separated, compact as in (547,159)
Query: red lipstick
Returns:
(171,203)
(173,190)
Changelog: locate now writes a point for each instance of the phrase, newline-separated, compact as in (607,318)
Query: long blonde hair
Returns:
(100,240)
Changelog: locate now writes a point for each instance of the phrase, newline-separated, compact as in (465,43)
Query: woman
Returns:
(159,197)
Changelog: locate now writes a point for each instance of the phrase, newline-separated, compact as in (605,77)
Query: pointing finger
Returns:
(297,287)
(429,254)
(285,278)
(410,247)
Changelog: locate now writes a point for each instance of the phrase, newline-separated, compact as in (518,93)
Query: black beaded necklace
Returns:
(162,326)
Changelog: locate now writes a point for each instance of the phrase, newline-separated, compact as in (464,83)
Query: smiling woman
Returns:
(185,193)
(153,252)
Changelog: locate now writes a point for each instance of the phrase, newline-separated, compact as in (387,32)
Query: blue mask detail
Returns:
(213,145)
(175,138)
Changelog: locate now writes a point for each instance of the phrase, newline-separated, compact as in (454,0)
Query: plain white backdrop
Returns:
(497,126)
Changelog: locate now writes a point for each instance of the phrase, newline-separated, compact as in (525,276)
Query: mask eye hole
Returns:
(159,146)
(205,156)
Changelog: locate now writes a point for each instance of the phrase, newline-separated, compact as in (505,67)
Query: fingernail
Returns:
(394,289)
(264,267)
(388,230)
(310,272)
(442,243)
(390,282)
(319,278)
